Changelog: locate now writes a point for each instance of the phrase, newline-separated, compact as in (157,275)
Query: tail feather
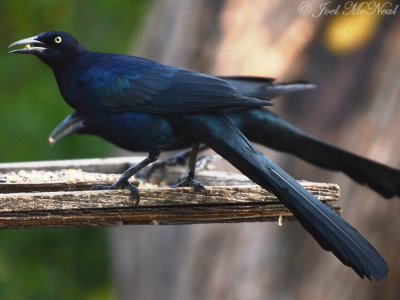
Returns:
(330,230)
(383,179)
(262,126)
(265,88)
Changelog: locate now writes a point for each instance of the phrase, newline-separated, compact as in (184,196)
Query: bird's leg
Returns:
(189,178)
(178,159)
(123,182)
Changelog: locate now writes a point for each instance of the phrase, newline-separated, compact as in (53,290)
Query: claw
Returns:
(134,192)
(118,185)
(188,181)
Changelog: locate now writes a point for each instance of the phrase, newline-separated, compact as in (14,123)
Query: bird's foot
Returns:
(188,181)
(121,184)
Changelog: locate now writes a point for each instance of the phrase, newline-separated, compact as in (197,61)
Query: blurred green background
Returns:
(54,263)
(353,59)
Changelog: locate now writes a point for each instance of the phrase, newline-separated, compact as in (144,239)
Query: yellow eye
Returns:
(58,40)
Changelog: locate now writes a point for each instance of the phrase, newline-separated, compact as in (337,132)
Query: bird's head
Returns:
(55,48)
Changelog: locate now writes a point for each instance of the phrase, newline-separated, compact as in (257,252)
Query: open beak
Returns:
(29,46)
(70,125)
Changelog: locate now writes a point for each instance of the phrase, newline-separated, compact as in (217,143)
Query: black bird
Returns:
(122,94)
(263,127)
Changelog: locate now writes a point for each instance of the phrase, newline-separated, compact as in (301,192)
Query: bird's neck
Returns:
(61,65)
(68,77)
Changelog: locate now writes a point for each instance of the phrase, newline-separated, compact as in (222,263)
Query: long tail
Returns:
(265,88)
(263,127)
(331,231)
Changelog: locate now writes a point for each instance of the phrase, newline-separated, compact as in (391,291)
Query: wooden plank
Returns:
(56,180)
(168,215)
(152,197)
(43,198)
(103,165)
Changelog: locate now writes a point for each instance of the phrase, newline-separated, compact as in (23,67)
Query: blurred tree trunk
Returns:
(355,107)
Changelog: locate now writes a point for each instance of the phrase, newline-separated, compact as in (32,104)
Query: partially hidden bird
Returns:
(261,126)
(132,95)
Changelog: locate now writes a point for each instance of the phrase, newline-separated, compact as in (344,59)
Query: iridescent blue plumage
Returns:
(156,88)
(122,93)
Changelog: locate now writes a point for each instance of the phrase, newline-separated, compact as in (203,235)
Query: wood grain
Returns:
(45,197)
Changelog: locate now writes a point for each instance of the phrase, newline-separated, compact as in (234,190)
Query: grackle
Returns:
(132,95)
(263,127)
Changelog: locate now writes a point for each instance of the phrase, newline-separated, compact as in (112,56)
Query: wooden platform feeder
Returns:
(58,194)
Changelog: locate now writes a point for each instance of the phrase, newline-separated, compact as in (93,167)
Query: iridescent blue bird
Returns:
(126,94)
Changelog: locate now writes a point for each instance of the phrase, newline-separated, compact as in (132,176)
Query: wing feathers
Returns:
(162,89)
